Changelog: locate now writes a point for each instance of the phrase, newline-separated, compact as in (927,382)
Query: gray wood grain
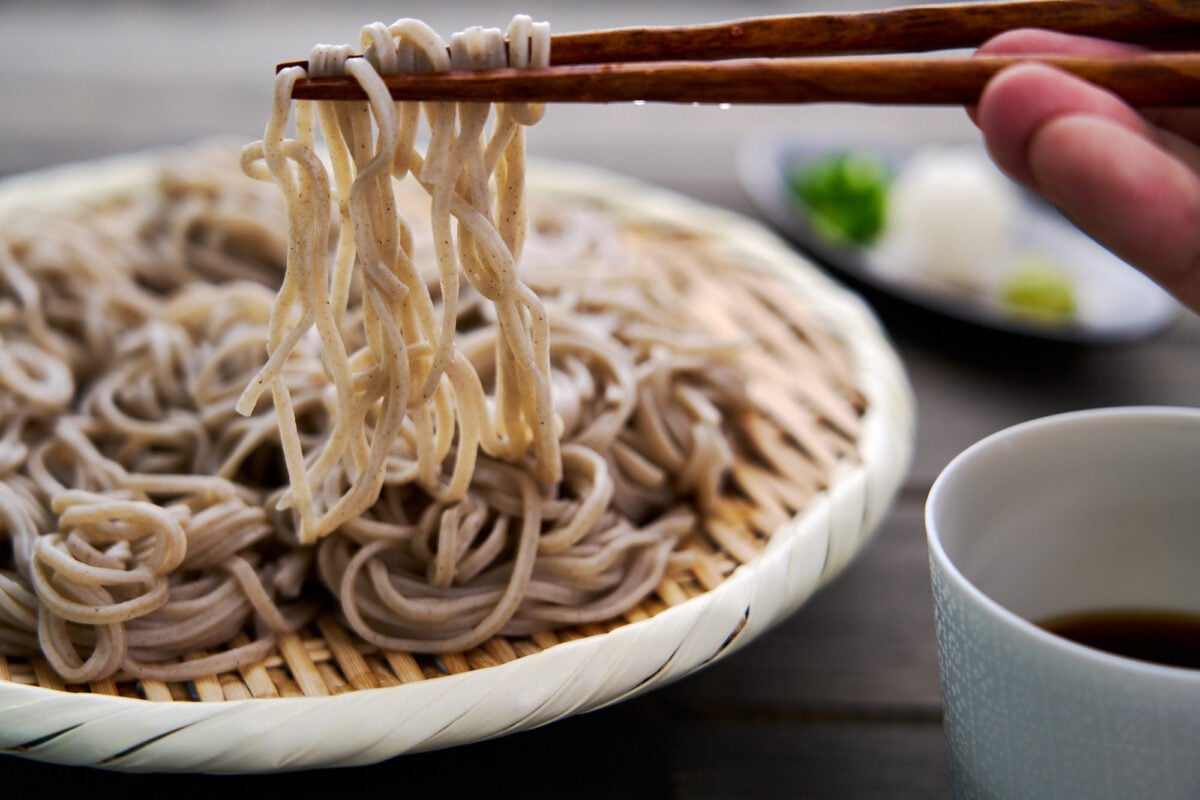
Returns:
(814,761)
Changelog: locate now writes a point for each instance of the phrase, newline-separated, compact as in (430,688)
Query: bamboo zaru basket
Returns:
(822,457)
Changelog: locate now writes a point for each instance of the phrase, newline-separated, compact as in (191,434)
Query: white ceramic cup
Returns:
(1085,511)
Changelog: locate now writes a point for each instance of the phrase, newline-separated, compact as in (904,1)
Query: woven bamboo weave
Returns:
(789,521)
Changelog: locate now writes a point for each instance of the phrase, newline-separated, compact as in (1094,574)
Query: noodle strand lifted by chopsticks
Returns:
(408,366)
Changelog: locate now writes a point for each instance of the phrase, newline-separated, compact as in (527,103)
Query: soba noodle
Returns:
(407,368)
(470,432)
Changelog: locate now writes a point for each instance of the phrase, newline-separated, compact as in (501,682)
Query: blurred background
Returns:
(84,79)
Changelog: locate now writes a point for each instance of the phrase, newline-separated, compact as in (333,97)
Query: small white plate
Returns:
(1115,302)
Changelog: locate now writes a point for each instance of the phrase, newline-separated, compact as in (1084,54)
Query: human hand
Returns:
(1128,178)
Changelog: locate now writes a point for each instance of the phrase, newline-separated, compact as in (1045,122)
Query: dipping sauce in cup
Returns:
(1160,637)
(1054,522)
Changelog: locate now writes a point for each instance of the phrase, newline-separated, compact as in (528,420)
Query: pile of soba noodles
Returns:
(389,394)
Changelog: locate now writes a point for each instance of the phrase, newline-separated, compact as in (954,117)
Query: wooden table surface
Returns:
(839,701)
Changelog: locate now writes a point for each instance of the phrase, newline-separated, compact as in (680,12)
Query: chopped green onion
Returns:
(845,194)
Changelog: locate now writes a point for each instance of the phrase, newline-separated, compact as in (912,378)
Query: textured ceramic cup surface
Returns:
(1078,512)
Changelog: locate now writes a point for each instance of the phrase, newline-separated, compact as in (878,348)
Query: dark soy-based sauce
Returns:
(1162,637)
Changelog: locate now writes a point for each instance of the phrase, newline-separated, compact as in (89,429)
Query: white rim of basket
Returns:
(367,726)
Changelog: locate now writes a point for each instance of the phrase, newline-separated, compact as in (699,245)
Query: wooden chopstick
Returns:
(1144,80)
(898,30)
(714,64)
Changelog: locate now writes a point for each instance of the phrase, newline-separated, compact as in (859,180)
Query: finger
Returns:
(1127,192)
(1184,122)
(1033,41)
(1021,99)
